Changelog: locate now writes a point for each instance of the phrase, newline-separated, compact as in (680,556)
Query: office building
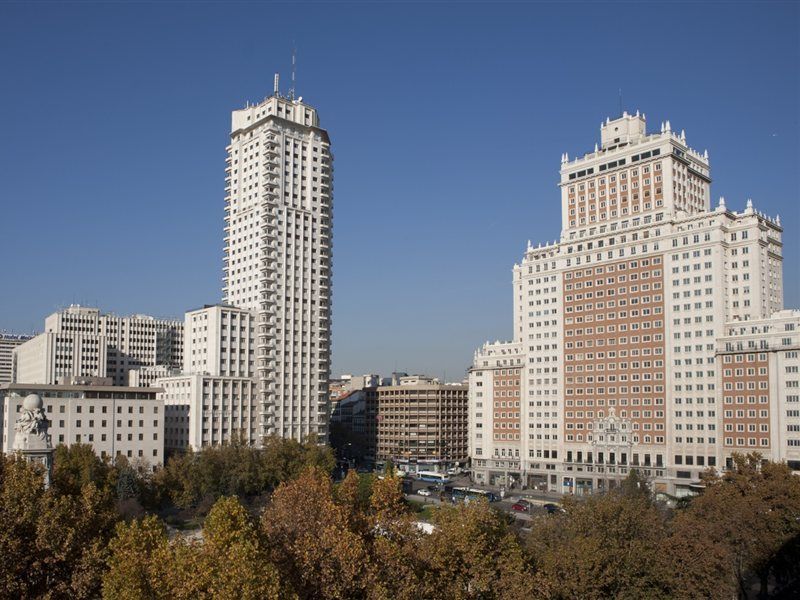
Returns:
(420,424)
(277,260)
(82,342)
(214,401)
(8,342)
(614,362)
(114,420)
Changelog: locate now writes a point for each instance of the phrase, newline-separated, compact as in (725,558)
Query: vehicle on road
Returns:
(552,508)
(521,506)
(424,492)
(433,477)
(463,493)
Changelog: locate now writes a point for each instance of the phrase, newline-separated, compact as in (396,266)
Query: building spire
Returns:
(294,72)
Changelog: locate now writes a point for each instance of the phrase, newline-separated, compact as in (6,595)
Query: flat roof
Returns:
(74,388)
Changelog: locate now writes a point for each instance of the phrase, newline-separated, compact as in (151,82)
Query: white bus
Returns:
(433,477)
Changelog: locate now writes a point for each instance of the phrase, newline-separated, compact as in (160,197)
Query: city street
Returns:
(535,499)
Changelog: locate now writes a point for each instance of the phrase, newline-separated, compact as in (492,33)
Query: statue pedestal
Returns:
(31,440)
(42,456)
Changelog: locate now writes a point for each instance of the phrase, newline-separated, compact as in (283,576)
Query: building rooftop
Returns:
(77,387)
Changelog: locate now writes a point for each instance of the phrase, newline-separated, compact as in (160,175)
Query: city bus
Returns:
(463,493)
(433,477)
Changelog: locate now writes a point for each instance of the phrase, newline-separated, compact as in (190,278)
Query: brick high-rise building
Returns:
(278,235)
(614,363)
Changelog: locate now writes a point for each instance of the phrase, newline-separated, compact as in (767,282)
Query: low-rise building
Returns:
(115,420)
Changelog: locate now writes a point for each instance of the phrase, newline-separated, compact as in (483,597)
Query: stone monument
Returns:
(31,439)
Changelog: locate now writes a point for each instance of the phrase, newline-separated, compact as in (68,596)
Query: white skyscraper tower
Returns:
(278,256)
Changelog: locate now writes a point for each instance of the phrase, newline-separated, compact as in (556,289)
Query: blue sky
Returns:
(448,121)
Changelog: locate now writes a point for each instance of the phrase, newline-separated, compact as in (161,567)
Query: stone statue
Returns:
(31,426)
(31,439)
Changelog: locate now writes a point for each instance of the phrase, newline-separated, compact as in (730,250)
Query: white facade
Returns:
(206,410)
(115,420)
(617,322)
(215,400)
(8,343)
(278,256)
(147,376)
(82,342)
(220,340)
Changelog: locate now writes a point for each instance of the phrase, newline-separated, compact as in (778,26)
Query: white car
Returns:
(424,492)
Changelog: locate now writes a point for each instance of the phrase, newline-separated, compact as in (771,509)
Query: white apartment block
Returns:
(215,400)
(8,342)
(617,323)
(82,342)
(220,340)
(208,410)
(115,420)
(278,241)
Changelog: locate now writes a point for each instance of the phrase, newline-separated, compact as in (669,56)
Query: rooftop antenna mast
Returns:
(294,72)
(620,102)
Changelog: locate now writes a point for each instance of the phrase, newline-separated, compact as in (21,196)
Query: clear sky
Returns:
(448,121)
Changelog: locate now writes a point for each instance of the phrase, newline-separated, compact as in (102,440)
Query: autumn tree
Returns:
(77,465)
(309,539)
(750,512)
(237,469)
(228,563)
(472,553)
(602,547)
(51,544)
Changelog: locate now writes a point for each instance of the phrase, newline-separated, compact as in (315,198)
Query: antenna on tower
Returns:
(276,86)
(620,102)
(294,72)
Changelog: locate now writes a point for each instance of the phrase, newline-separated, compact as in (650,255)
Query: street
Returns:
(535,499)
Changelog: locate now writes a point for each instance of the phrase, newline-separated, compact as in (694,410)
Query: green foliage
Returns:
(750,516)
(605,546)
(238,470)
(358,540)
(230,562)
(51,544)
(77,465)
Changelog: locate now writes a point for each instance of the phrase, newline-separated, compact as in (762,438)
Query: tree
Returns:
(473,554)
(309,539)
(229,563)
(635,486)
(235,562)
(76,465)
(751,513)
(605,546)
(50,544)
(133,551)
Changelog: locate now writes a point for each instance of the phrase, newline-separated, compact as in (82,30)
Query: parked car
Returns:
(552,508)
(521,506)
(424,492)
